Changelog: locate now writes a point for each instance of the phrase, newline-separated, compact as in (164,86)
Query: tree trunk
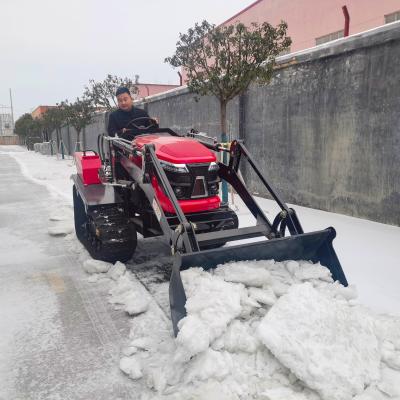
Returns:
(222,105)
(224,139)
(78,140)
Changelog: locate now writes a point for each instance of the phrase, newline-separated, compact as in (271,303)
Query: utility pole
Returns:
(12,113)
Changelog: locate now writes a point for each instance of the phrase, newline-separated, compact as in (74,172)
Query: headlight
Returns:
(179,192)
(213,188)
(213,167)
(179,168)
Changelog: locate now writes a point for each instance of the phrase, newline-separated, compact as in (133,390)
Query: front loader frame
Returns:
(186,243)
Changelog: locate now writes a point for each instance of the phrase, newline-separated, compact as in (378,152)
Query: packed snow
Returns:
(256,329)
(247,338)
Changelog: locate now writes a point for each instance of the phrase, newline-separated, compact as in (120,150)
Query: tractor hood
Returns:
(177,150)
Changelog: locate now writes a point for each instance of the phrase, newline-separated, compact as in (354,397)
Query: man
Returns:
(119,120)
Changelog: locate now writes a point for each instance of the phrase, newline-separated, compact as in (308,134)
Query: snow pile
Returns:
(329,345)
(262,329)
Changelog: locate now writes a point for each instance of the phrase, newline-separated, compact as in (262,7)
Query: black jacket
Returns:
(120,119)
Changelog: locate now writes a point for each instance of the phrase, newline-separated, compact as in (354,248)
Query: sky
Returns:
(49,49)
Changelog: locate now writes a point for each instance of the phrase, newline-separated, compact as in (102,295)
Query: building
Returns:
(6,121)
(39,111)
(313,22)
(149,89)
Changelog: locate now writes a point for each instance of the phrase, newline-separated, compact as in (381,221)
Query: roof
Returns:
(241,12)
(154,84)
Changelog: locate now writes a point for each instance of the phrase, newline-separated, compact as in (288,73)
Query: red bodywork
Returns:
(87,166)
(175,150)
(178,150)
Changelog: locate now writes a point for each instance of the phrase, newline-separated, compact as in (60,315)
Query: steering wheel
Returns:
(153,123)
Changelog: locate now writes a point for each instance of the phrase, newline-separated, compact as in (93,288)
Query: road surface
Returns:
(59,338)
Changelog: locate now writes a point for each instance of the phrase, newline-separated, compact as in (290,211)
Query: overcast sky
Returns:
(51,48)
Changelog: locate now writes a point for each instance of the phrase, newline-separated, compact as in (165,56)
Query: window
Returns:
(392,17)
(329,38)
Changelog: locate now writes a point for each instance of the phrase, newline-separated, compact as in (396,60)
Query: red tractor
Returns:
(165,184)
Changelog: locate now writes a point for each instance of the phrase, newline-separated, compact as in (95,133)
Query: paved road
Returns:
(59,338)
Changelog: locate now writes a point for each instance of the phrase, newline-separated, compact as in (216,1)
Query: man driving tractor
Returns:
(126,120)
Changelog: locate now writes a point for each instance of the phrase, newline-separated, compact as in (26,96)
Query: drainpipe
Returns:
(180,78)
(346,20)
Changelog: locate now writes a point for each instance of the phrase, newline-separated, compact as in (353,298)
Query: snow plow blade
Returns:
(313,246)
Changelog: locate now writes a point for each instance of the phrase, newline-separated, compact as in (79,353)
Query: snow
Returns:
(326,343)
(116,271)
(127,294)
(96,266)
(131,366)
(312,343)
(255,275)
(60,222)
(255,329)
(212,303)
(49,171)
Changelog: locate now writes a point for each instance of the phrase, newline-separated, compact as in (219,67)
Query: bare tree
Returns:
(102,94)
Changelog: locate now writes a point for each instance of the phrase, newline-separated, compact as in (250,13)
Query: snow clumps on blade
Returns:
(329,345)
(250,273)
(211,305)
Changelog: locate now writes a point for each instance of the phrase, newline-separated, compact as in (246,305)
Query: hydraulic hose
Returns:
(100,146)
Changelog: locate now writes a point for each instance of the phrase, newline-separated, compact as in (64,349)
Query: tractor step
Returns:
(230,235)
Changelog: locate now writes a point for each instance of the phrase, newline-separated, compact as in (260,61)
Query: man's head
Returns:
(124,98)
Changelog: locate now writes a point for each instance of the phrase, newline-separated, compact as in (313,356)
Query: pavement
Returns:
(59,338)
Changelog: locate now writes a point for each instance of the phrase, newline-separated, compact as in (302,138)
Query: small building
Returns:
(6,121)
(39,111)
(313,22)
(149,89)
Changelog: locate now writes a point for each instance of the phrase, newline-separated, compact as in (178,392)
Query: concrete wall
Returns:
(181,111)
(9,140)
(88,135)
(326,131)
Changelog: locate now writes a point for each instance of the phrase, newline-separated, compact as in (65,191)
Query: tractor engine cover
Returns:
(88,164)
(191,169)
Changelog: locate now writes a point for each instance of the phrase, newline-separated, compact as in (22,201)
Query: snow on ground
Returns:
(263,329)
(292,334)
(48,171)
